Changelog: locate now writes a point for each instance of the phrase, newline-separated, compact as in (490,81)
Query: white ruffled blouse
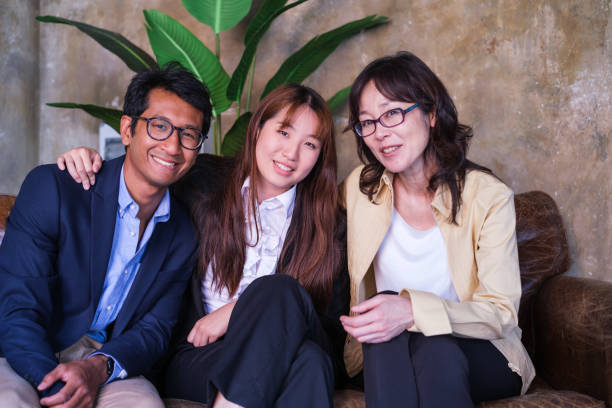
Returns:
(273,219)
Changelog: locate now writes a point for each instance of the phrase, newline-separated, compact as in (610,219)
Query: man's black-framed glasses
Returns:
(388,119)
(160,129)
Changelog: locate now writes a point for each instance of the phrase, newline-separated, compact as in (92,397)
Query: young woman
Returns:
(261,325)
(435,283)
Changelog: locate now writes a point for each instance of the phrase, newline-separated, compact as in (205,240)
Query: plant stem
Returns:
(218,152)
(250,85)
(217,118)
(237,110)
(214,136)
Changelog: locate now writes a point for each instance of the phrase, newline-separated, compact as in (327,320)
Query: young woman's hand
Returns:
(380,318)
(82,163)
(211,327)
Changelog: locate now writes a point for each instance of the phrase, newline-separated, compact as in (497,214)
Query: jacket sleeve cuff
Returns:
(54,389)
(118,371)
(429,313)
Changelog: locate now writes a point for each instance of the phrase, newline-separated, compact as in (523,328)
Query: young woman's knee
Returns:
(278,288)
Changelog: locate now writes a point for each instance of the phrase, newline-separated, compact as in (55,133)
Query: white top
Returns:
(409,258)
(273,219)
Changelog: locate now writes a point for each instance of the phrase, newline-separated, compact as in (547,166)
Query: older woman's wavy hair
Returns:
(404,77)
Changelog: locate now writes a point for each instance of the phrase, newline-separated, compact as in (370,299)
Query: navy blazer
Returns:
(53,263)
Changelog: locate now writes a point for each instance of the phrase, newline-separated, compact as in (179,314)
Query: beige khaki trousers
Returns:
(15,392)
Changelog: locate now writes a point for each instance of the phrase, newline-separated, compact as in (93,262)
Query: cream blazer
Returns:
(482,256)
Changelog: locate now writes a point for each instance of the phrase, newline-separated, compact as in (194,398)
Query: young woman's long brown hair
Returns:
(309,253)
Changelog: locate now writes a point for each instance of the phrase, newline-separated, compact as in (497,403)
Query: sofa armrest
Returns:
(6,203)
(573,324)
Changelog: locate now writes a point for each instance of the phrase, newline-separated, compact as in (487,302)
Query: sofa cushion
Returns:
(180,403)
(543,398)
(547,399)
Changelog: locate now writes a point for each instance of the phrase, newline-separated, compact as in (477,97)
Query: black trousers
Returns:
(413,370)
(274,354)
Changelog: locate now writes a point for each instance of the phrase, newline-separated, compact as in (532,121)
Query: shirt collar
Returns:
(385,182)
(128,205)
(286,199)
(441,201)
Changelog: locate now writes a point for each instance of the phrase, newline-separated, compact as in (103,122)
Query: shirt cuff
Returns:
(428,311)
(118,372)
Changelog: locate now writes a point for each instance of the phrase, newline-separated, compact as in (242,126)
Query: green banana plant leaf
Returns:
(257,28)
(171,41)
(234,138)
(112,117)
(268,8)
(220,15)
(338,99)
(308,58)
(134,57)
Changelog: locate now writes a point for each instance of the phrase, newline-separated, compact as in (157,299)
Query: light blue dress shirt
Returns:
(123,264)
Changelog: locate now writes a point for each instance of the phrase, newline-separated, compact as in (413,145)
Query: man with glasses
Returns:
(92,280)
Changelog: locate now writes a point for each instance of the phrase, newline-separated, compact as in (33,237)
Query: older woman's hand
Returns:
(381,318)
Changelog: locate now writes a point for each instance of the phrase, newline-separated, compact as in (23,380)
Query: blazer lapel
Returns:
(195,286)
(367,226)
(103,215)
(151,263)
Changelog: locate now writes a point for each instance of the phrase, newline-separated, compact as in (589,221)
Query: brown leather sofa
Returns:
(566,321)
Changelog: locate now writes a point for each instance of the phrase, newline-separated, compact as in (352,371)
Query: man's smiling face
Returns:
(151,164)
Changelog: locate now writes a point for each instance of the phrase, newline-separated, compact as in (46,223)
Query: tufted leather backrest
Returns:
(543,251)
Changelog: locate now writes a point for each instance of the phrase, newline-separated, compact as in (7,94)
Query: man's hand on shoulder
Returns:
(82,378)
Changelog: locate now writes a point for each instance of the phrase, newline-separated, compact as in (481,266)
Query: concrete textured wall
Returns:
(531,77)
(18,92)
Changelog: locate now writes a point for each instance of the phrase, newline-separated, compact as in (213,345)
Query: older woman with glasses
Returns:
(435,283)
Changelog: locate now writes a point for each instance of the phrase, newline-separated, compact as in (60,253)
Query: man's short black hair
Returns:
(173,78)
